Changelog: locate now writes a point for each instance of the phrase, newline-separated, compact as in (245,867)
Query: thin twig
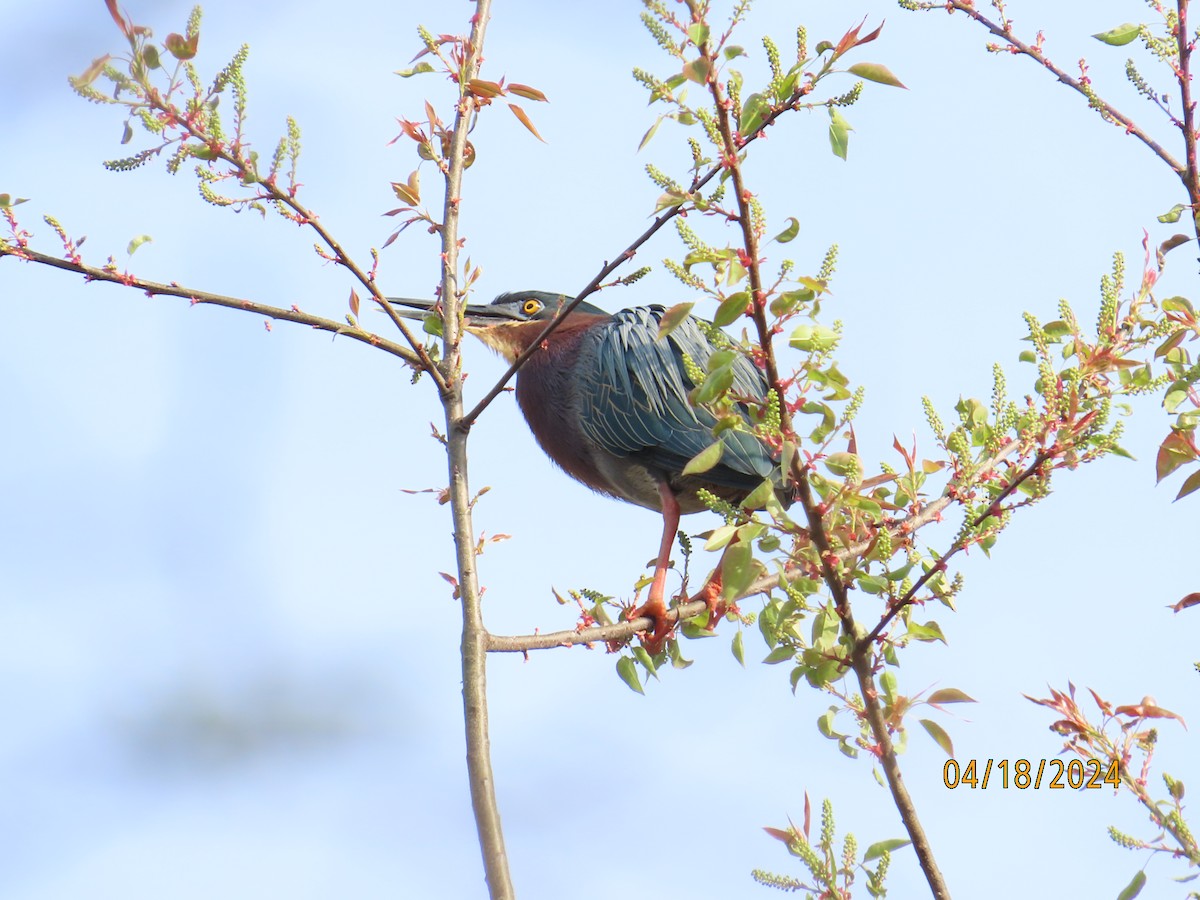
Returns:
(305,216)
(154,288)
(939,566)
(1103,106)
(618,631)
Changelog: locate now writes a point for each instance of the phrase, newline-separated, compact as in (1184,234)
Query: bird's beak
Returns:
(477,314)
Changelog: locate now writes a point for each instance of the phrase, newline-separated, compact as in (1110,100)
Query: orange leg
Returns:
(655,606)
(711,594)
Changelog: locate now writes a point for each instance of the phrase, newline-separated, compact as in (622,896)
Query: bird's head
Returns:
(512,321)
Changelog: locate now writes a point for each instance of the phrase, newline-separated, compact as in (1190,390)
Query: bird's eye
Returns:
(530,307)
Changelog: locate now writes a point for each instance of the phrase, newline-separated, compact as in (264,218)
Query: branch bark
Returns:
(474,635)
(860,654)
(155,288)
(1105,108)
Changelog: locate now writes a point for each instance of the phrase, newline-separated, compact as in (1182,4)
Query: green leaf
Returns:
(879,848)
(1134,887)
(760,496)
(627,669)
(1173,214)
(779,654)
(673,318)
(698,33)
(1179,304)
(705,459)
(872,584)
(669,200)
(733,51)
(930,631)
(1119,36)
(843,464)
(739,652)
(650,133)
(754,110)
(719,381)
(813,338)
(642,655)
(137,242)
(939,735)
(418,69)
(6,201)
(738,570)
(432,324)
(950,695)
(676,655)
(787,301)
(720,537)
(731,308)
(839,133)
(698,70)
(877,73)
(789,233)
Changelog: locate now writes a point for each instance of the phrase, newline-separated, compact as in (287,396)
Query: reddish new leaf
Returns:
(950,695)
(1191,484)
(1175,451)
(1148,709)
(524,119)
(117,17)
(529,93)
(92,72)
(1192,599)
(180,47)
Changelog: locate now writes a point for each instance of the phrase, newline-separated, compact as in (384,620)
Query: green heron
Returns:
(607,400)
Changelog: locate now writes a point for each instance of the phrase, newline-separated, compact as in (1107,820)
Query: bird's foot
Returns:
(713,596)
(664,627)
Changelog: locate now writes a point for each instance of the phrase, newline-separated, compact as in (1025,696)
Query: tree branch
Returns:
(860,657)
(1102,106)
(474,634)
(1191,178)
(618,631)
(154,288)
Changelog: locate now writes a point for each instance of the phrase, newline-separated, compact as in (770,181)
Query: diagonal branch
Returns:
(1105,108)
(154,288)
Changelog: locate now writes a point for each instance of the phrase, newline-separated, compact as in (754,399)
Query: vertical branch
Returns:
(860,652)
(1191,178)
(474,634)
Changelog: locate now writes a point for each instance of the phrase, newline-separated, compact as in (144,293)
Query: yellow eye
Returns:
(531,307)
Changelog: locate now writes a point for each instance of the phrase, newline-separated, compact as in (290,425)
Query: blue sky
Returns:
(228,664)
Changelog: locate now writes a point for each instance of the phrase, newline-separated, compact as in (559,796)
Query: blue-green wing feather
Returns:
(635,398)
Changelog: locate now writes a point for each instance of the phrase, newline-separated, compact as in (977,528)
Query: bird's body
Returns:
(607,399)
(608,402)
